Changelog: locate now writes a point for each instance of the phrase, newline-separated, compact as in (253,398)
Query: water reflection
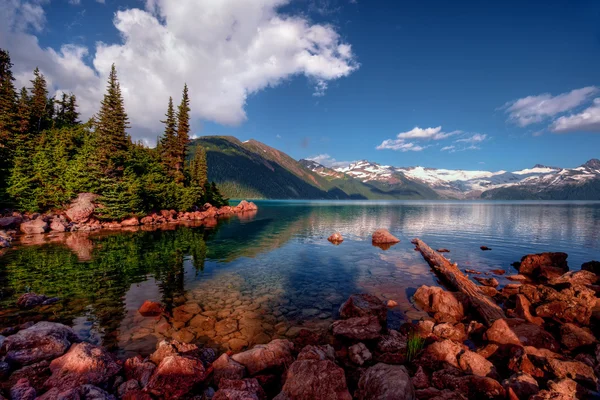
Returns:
(258,276)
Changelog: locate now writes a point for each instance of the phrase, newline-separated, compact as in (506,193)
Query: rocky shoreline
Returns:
(545,348)
(81,216)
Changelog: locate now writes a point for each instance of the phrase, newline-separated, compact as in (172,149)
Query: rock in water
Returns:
(364,305)
(533,264)
(336,238)
(384,381)
(42,341)
(383,236)
(82,208)
(592,266)
(150,309)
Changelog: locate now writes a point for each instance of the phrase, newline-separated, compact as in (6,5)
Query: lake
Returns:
(251,278)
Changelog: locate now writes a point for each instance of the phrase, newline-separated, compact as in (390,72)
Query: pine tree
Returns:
(183,134)
(42,108)
(8,108)
(198,168)
(23,117)
(169,145)
(111,125)
(71,114)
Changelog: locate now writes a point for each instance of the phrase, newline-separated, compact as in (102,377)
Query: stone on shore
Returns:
(573,337)
(133,221)
(592,266)
(364,305)
(37,226)
(359,354)
(226,368)
(383,381)
(276,354)
(175,376)
(82,208)
(445,306)
(42,341)
(138,369)
(336,238)
(383,236)
(358,328)
(244,389)
(22,391)
(535,264)
(520,386)
(491,282)
(520,332)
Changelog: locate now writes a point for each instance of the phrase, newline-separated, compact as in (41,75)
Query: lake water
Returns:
(251,278)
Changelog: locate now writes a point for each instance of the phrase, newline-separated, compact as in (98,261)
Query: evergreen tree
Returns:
(8,107)
(23,116)
(183,134)
(42,108)
(198,168)
(169,145)
(71,115)
(213,196)
(111,125)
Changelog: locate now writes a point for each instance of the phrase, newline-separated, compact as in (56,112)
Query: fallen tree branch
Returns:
(483,304)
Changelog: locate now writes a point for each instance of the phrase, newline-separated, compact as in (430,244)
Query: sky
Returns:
(459,85)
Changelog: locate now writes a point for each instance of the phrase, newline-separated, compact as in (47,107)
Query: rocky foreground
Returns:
(544,347)
(81,216)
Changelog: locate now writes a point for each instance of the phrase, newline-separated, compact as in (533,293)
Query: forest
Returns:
(48,155)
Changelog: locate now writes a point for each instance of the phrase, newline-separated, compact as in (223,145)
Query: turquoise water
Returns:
(254,277)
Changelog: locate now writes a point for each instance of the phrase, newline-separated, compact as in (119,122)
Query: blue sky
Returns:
(501,85)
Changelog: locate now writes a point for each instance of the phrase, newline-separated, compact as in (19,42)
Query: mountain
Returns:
(254,170)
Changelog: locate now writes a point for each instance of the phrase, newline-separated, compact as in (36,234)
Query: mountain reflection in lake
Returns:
(256,277)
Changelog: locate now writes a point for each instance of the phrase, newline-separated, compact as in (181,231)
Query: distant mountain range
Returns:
(252,169)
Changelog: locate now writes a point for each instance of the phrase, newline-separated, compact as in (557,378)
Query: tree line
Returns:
(48,156)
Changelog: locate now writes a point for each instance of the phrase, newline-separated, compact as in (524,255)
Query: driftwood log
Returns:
(483,304)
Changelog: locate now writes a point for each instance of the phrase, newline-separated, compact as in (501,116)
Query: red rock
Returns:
(473,386)
(336,238)
(520,332)
(358,328)
(147,220)
(226,368)
(359,354)
(136,395)
(129,386)
(420,380)
(519,277)
(57,226)
(391,303)
(133,221)
(364,305)
(37,226)
(82,208)
(42,341)
(150,309)
(275,354)
(572,336)
(520,386)
(22,391)
(166,348)
(314,352)
(571,389)
(36,374)
(472,271)
(310,379)
(491,282)
(523,310)
(532,263)
(447,330)
(445,351)
(138,369)
(175,376)
(446,306)
(574,303)
(575,370)
(592,266)
(383,236)
(443,251)
(82,364)
(485,248)
(498,271)
(473,363)
(384,381)
(246,389)
(87,392)
(576,278)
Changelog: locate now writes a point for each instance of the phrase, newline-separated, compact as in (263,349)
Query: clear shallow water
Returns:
(254,277)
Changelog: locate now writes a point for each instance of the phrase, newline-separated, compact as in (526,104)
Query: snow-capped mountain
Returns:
(533,182)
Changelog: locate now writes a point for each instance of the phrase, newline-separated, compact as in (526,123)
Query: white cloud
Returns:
(75,2)
(586,121)
(533,109)
(446,148)
(476,138)
(401,144)
(225,50)
(328,161)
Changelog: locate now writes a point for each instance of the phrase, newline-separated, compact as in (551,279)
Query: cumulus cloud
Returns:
(400,142)
(224,50)
(328,161)
(586,121)
(534,109)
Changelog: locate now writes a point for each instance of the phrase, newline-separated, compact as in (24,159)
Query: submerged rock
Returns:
(150,309)
(31,300)
(364,305)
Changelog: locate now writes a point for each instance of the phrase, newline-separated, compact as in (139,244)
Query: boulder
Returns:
(150,309)
(83,364)
(82,208)
(226,368)
(133,221)
(573,337)
(31,300)
(359,354)
(314,379)
(175,376)
(87,392)
(358,328)
(448,352)
(571,389)
(58,226)
(520,386)
(245,389)
(138,369)
(166,348)
(520,332)
(447,330)
(275,354)
(22,390)
(36,374)
(383,236)
(37,226)
(575,370)
(384,382)
(472,386)
(523,310)
(420,380)
(364,305)
(574,303)
(575,278)
(42,341)
(126,387)
(313,352)
(473,363)
(336,238)
(533,264)
(445,306)
(10,222)
(592,266)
